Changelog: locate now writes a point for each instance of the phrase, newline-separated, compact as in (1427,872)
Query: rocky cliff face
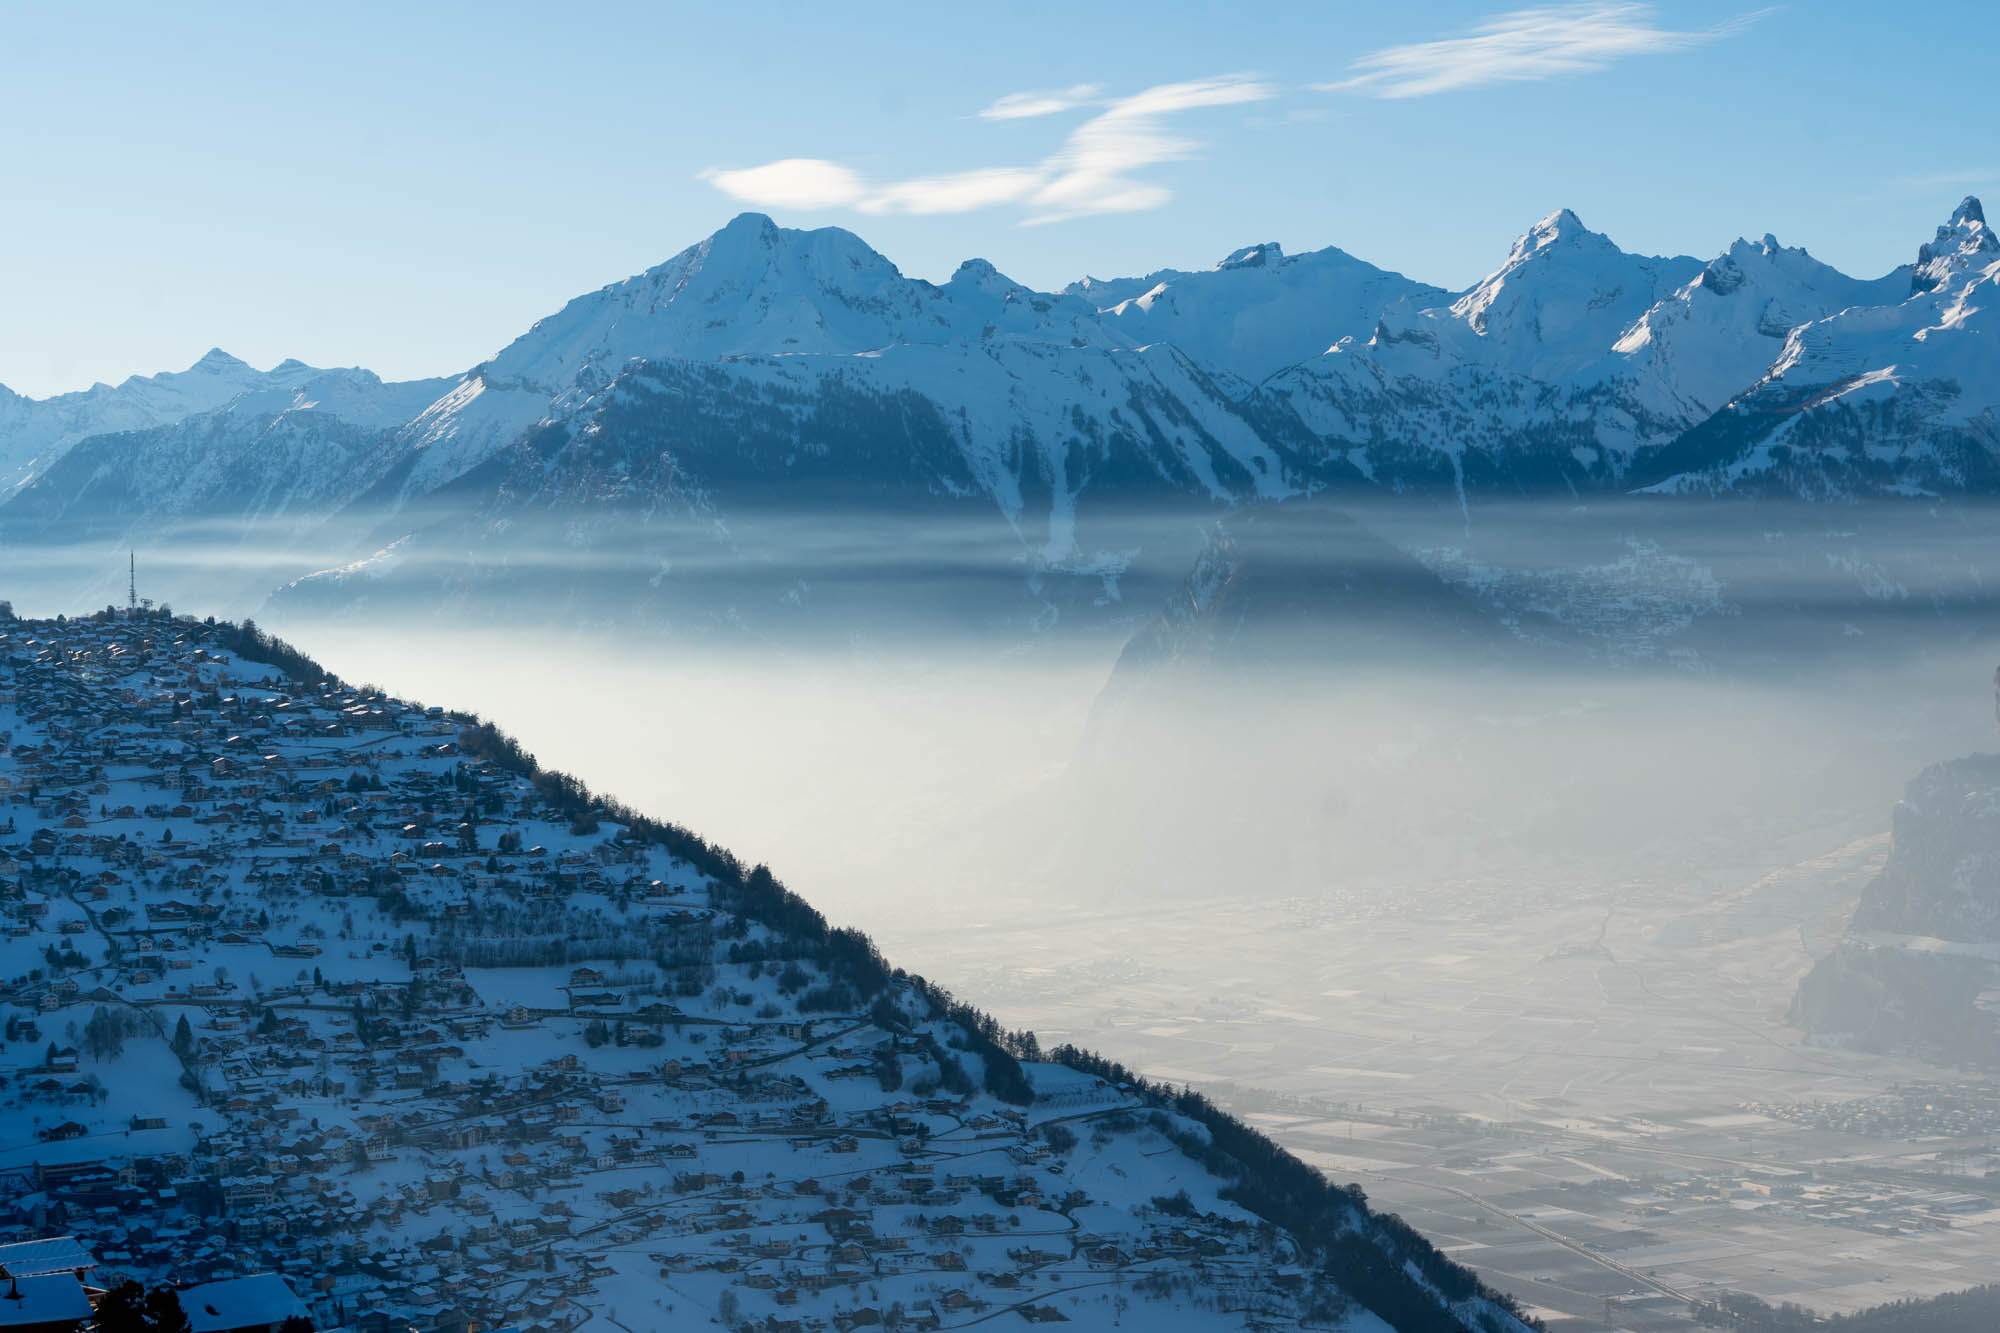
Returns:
(1943,879)
(1920,969)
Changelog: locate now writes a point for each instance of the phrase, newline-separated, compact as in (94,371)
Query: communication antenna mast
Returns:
(132,581)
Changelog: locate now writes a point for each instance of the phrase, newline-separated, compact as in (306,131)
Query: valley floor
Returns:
(1599,1107)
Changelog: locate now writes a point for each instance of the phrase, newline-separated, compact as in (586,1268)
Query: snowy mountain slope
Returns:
(34,432)
(366,997)
(1259,310)
(1576,367)
(295,450)
(1033,450)
(1564,294)
(1691,353)
(1504,387)
(1883,398)
(751,289)
(754,288)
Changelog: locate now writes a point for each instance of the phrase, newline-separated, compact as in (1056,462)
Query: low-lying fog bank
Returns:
(897,791)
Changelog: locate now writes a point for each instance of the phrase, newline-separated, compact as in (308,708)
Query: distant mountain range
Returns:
(664,420)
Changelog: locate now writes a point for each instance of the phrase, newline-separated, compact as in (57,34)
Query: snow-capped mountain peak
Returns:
(745,230)
(1564,294)
(215,366)
(980,277)
(215,361)
(1558,228)
(1693,351)
(1962,244)
(752,288)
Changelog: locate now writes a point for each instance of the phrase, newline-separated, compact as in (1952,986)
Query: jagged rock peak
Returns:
(1726,272)
(1254,256)
(1958,242)
(1561,232)
(1723,275)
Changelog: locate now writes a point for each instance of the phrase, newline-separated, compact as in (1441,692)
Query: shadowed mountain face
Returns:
(1943,879)
(1920,968)
(1306,582)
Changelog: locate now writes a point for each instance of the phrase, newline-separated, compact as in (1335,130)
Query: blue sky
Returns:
(408,186)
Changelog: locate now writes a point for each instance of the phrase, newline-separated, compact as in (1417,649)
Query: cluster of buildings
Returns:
(298,982)
(1919,1110)
(46,1286)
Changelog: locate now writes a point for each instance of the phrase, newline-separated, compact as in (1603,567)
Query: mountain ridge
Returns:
(1574,367)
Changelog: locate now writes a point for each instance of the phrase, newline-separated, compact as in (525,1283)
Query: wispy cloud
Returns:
(957,192)
(1093,170)
(1041,102)
(792,182)
(1098,169)
(1525,45)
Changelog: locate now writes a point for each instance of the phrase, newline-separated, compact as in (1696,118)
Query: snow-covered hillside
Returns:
(305,979)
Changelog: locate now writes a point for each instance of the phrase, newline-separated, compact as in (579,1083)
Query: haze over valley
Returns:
(1277,793)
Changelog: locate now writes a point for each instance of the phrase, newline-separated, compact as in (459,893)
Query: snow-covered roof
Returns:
(50,1298)
(240,1302)
(51,1254)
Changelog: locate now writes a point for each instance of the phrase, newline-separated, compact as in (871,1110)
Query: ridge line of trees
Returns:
(1968,1311)
(1332,1221)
